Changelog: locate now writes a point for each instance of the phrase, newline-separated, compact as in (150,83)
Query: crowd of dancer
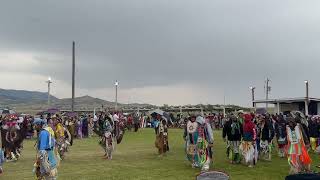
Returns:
(13,131)
(55,134)
(249,137)
(252,137)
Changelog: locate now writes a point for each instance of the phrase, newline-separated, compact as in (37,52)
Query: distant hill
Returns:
(22,96)
(33,101)
(83,102)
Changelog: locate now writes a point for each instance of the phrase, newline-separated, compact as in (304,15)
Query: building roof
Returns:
(286,100)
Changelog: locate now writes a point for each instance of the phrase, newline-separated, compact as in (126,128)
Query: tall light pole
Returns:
(116,84)
(49,82)
(224,105)
(252,95)
(307,98)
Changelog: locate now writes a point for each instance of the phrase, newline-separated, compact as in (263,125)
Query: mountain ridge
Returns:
(33,101)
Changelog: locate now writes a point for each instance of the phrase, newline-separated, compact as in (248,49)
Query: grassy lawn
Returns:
(136,158)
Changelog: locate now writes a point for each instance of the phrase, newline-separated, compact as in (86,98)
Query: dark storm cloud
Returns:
(227,44)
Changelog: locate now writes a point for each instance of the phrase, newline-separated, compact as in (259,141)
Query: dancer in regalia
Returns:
(46,161)
(79,128)
(107,137)
(280,130)
(161,130)
(120,128)
(11,138)
(199,139)
(248,147)
(298,157)
(314,132)
(233,131)
(116,130)
(70,126)
(60,134)
(266,135)
(90,125)
(1,154)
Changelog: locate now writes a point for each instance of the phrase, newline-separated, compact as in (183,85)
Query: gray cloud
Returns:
(227,45)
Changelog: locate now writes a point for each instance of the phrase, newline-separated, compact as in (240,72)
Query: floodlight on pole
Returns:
(116,85)
(307,97)
(49,82)
(252,88)
(268,89)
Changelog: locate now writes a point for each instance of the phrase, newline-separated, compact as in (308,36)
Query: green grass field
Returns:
(136,158)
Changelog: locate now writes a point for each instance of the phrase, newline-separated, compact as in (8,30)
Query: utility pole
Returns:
(73,75)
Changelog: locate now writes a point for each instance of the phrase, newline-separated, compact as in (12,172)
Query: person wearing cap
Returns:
(199,139)
(46,161)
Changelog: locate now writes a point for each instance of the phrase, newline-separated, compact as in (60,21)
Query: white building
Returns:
(308,106)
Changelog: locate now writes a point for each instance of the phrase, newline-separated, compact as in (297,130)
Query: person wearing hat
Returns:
(46,161)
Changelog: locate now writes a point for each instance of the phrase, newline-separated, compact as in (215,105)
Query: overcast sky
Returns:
(162,51)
